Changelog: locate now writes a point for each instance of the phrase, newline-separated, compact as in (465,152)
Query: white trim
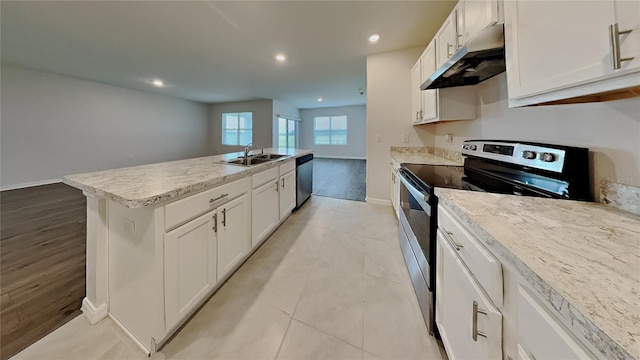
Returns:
(30,184)
(130,335)
(93,314)
(378,201)
(340,157)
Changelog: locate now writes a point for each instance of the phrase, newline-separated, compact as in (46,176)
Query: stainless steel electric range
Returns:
(497,166)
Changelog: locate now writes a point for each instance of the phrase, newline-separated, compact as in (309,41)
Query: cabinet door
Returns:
(429,97)
(446,41)
(234,238)
(478,14)
(552,45)
(265,210)
(190,266)
(416,96)
(628,18)
(462,310)
(287,194)
(540,336)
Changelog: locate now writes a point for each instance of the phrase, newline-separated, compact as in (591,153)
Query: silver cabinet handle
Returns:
(457,246)
(458,45)
(277,187)
(215,222)
(449,47)
(614,37)
(211,201)
(224,217)
(283,183)
(474,330)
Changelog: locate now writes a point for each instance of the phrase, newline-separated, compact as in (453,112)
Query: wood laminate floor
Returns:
(42,262)
(340,178)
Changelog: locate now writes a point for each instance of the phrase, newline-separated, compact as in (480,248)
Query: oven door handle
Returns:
(417,195)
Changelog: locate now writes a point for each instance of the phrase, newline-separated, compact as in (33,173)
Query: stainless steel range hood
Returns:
(479,59)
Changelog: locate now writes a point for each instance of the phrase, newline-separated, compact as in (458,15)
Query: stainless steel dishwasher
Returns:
(304,179)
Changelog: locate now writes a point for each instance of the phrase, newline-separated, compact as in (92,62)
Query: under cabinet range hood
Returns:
(480,58)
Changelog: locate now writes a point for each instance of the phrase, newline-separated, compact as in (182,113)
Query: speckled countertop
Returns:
(583,258)
(146,185)
(426,155)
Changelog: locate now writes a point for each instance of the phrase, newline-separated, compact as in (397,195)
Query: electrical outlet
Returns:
(448,138)
(405,138)
(378,138)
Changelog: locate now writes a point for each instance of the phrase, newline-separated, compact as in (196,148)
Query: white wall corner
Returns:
(92,313)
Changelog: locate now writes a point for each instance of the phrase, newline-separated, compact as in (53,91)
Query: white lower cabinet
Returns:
(265,211)
(469,323)
(190,256)
(287,194)
(395,188)
(234,236)
(541,336)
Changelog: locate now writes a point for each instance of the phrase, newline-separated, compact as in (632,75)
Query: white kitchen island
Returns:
(161,238)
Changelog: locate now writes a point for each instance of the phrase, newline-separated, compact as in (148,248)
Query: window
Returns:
(287,133)
(237,128)
(330,130)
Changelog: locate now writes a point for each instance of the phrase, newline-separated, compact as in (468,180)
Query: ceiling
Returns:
(214,51)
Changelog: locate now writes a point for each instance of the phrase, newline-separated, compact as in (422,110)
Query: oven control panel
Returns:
(539,157)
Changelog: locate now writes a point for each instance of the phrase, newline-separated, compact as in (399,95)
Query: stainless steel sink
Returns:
(269,156)
(254,160)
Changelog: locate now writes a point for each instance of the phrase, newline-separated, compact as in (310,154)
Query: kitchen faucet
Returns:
(247,150)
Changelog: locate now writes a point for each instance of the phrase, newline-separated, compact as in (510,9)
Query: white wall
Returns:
(56,125)
(262,123)
(284,110)
(611,130)
(356,147)
(389,115)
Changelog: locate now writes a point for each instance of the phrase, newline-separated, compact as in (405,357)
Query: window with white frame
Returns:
(237,128)
(330,130)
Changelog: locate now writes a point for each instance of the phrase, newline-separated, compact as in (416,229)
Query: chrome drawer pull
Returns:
(215,222)
(474,331)
(211,201)
(457,246)
(614,36)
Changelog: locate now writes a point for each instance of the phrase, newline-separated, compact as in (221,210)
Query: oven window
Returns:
(418,219)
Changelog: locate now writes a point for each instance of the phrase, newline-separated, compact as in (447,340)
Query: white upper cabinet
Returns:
(416,95)
(557,50)
(477,15)
(429,97)
(446,40)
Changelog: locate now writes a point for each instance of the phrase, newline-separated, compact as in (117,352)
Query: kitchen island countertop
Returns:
(583,258)
(145,185)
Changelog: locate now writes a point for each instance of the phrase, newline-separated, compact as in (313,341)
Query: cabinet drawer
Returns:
(484,266)
(541,336)
(188,208)
(264,177)
(287,167)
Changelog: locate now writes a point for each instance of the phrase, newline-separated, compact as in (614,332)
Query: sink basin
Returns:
(250,161)
(269,156)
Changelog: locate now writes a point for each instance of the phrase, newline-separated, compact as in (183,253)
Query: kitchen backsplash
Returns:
(443,153)
(621,196)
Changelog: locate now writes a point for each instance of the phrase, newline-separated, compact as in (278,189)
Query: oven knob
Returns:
(465,146)
(473,147)
(547,157)
(528,154)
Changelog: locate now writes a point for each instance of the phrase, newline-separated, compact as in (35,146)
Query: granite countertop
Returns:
(426,155)
(145,185)
(583,258)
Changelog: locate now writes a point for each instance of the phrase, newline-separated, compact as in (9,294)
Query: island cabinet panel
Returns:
(287,194)
(234,234)
(265,211)
(190,266)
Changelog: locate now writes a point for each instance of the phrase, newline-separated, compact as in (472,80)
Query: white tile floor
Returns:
(330,283)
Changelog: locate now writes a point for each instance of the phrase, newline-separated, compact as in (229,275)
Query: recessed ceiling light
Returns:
(374,38)
(319,99)
(157,83)
(281,57)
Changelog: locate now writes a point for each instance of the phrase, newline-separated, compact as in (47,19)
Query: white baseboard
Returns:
(130,336)
(30,184)
(378,201)
(94,314)
(340,157)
